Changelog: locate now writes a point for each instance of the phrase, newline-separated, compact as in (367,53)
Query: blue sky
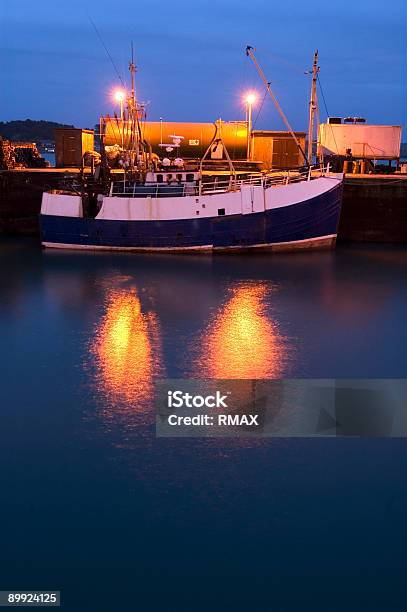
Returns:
(191,58)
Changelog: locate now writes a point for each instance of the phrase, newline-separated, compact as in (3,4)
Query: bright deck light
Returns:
(251,98)
(119,95)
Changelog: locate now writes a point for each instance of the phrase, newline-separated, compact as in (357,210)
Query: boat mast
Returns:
(132,102)
(249,53)
(134,111)
(133,70)
(313,107)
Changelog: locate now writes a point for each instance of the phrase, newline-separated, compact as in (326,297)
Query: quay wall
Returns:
(374,206)
(21,194)
(374,209)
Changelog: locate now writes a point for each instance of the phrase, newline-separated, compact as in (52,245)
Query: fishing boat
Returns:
(155,204)
(280,213)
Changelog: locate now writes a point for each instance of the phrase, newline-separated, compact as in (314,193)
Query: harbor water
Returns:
(94,505)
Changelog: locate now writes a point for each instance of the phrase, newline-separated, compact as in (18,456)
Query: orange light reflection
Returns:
(242,341)
(127,350)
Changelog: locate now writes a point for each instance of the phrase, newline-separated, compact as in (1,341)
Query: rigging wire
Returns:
(327,114)
(107,50)
(294,67)
(322,94)
(261,107)
(249,53)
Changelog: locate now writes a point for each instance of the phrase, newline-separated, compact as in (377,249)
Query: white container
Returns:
(364,141)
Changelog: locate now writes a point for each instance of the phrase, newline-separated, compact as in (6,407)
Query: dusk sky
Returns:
(191,59)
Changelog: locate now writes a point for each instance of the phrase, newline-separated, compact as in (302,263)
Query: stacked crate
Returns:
(7,156)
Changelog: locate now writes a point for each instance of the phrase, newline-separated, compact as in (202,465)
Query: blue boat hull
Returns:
(306,224)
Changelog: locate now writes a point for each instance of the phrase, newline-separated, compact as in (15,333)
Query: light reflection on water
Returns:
(239,340)
(242,340)
(128,352)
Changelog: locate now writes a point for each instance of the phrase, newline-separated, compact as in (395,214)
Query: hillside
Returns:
(29,130)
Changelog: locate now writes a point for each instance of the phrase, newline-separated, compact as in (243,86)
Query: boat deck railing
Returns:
(218,185)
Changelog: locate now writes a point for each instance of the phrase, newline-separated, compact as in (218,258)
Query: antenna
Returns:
(249,53)
(313,106)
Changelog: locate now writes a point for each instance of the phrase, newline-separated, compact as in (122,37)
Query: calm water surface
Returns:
(92,501)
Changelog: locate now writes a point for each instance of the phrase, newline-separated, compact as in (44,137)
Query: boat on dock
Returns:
(148,203)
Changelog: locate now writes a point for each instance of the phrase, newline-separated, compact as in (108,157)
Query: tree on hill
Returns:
(29,130)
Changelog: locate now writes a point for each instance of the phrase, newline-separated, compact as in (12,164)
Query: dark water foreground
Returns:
(92,504)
